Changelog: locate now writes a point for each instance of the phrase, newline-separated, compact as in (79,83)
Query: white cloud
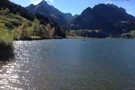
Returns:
(51,1)
(37,1)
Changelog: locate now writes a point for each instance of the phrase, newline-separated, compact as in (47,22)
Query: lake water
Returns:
(70,64)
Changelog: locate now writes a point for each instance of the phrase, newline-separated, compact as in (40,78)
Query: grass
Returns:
(36,37)
(72,37)
(6,35)
(12,21)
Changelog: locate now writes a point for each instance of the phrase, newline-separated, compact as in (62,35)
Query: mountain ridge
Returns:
(105,17)
(50,11)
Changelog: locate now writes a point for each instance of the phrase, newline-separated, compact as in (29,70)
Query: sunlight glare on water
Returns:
(69,64)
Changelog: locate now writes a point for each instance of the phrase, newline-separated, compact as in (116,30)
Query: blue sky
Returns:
(77,6)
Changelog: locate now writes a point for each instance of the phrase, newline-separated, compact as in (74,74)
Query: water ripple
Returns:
(70,65)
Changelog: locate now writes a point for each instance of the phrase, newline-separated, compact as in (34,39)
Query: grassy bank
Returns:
(6,39)
(75,37)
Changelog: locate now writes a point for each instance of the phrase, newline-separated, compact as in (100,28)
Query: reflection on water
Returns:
(106,64)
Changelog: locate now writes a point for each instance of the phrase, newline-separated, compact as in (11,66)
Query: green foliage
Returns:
(87,33)
(5,34)
(12,21)
(32,31)
(133,33)
(42,30)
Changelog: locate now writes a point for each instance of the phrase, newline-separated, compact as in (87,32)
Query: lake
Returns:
(70,64)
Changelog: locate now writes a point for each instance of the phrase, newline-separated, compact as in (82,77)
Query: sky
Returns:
(77,6)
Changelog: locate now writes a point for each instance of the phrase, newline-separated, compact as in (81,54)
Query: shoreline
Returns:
(72,37)
(75,37)
(81,37)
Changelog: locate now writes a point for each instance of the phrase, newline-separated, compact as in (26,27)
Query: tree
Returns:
(43,31)
(59,31)
(36,27)
(50,30)
(4,11)
(23,32)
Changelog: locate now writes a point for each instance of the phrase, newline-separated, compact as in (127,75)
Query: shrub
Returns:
(50,31)
(23,32)
(36,27)
(43,32)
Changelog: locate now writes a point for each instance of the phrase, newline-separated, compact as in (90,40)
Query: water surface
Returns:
(70,64)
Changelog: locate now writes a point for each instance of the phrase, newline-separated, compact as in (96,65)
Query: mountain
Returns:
(69,16)
(106,17)
(51,12)
(75,16)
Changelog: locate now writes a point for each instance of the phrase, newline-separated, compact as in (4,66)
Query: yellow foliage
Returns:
(50,30)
